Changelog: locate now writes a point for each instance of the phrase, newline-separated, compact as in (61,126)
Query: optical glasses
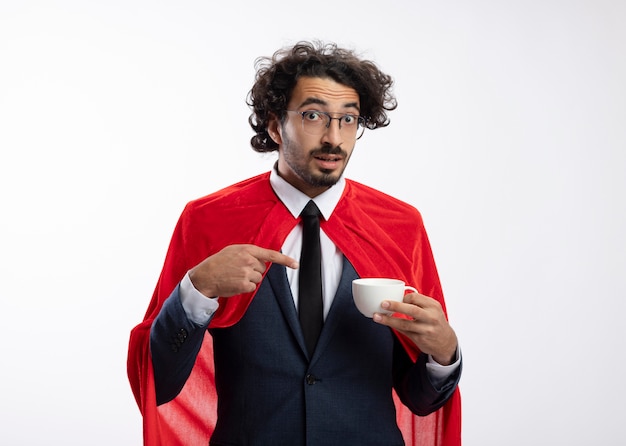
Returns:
(315,122)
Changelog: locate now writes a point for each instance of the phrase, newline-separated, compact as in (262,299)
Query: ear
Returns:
(274,129)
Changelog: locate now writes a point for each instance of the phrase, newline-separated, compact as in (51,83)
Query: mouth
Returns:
(327,161)
(329,158)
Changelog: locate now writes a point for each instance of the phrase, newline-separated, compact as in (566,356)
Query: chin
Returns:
(327,178)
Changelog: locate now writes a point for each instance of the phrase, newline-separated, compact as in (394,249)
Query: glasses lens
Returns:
(360,127)
(316,122)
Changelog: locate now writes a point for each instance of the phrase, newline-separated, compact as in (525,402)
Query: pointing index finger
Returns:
(269,255)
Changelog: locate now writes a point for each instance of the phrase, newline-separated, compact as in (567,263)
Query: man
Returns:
(258,377)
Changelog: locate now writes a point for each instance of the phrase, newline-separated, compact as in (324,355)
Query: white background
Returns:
(510,137)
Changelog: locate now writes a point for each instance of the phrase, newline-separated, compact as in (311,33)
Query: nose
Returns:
(332,134)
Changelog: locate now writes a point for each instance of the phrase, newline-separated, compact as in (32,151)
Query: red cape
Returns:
(379,235)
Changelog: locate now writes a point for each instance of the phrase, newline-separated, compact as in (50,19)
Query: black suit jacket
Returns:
(270,392)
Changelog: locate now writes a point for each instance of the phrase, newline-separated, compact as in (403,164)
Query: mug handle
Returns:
(410,288)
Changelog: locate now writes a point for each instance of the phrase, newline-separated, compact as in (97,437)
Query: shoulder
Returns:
(380,203)
(237,209)
(234,197)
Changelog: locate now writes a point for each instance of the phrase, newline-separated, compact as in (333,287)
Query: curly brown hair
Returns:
(277,76)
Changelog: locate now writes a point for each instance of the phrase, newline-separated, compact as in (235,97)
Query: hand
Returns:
(235,269)
(427,325)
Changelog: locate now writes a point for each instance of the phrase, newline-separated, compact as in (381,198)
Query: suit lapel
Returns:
(277,278)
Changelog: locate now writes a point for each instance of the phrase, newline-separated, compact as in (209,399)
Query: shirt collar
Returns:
(295,201)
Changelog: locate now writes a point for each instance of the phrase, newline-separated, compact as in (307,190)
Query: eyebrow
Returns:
(318,101)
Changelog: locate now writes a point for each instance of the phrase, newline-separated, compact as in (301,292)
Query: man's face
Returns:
(314,162)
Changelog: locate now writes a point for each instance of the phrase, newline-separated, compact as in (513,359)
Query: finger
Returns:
(420,300)
(406,308)
(256,277)
(269,255)
(259,265)
(397,321)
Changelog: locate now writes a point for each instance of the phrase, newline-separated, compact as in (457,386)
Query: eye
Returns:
(312,116)
(350,119)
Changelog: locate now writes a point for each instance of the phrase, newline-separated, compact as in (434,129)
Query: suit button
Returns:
(310,379)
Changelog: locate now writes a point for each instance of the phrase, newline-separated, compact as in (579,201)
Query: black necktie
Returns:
(310,284)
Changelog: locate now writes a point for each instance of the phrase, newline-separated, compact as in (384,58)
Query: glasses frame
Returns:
(360,126)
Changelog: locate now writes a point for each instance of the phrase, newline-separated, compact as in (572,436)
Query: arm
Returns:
(422,320)
(177,332)
(175,341)
(415,384)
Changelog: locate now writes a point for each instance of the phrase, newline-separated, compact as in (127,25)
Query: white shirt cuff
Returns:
(198,308)
(440,373)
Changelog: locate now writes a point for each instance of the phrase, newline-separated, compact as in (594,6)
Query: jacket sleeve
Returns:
(414,387)
(174,345)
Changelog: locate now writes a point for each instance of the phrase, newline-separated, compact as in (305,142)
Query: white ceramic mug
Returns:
(369,293)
